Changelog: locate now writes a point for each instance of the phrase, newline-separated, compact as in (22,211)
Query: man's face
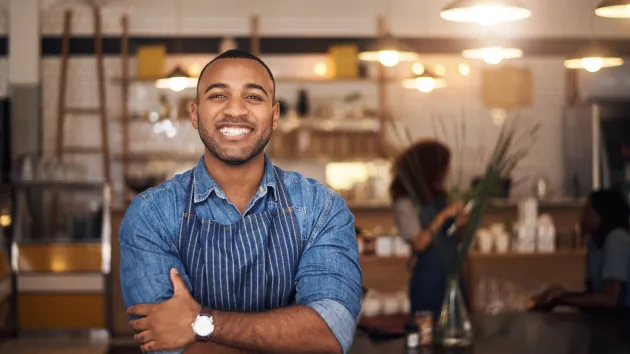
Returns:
(236,113)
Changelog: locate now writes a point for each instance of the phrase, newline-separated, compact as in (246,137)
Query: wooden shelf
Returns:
(324,80)
(514,255)
(157,155)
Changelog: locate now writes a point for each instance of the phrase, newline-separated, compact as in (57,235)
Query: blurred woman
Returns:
(606,222)
(423,215)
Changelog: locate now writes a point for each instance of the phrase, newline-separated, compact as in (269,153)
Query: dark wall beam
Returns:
(51,46)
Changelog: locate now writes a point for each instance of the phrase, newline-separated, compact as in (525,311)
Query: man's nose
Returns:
(235,107)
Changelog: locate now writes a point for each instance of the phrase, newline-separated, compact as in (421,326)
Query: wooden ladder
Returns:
(63,110)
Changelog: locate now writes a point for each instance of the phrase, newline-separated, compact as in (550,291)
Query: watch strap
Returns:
(207,312)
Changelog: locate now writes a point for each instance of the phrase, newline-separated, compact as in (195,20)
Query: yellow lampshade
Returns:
(389,52)
(425,82)
(592,58)
(176,80)
(614,9)
(493,55)
(485,12)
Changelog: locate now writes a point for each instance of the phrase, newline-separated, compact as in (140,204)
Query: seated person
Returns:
(605,221)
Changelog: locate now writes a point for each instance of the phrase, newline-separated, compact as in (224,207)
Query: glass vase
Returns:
(453,327)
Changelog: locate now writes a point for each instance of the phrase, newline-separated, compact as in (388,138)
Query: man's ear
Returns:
(275,116)
(194,114)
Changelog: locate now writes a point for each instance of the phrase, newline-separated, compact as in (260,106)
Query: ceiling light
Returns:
(389,52)
(426,82)
(592,58)
(464,69)
(614,9)
(176,80)
(492,55)
(485,12)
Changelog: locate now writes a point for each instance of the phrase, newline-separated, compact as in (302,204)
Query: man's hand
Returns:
(547,297)
(167,325)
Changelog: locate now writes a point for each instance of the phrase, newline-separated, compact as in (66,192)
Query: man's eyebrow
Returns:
(216,85)
(256,87)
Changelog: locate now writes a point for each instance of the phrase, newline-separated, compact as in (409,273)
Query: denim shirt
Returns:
(328,279)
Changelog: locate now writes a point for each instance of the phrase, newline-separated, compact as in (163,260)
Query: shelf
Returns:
(157,155)
(346,125)
(514,255)
(324,80)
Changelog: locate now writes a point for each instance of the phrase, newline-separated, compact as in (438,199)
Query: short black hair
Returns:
(237,54)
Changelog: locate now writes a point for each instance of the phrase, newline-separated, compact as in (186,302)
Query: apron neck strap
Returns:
(281,192)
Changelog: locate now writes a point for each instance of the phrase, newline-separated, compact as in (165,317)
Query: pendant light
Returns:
(485,12)
(614,9)
(387,50)
(178,79)
(493,55)
(425,82)
(592,58)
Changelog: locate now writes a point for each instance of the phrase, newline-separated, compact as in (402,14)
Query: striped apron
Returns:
(248,266)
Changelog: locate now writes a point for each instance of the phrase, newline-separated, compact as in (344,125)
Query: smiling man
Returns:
(237,254)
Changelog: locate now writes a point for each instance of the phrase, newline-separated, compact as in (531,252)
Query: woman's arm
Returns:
(409,227)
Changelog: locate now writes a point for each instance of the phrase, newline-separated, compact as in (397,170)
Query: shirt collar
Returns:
(204,184)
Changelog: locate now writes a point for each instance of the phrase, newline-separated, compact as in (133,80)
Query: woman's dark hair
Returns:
(431,159)
(613,209)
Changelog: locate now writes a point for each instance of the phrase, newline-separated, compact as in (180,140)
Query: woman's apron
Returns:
(428,279)
(248,266)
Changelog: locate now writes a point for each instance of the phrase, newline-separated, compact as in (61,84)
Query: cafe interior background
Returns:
(94,99)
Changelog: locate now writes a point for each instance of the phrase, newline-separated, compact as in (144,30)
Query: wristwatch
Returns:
(203,325)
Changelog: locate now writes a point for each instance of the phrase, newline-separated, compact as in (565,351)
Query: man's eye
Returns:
(217,95)
(254,97)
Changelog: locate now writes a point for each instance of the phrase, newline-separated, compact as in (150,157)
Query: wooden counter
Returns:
(526,272)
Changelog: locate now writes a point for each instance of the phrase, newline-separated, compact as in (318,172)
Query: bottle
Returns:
(303,108)
(413,335)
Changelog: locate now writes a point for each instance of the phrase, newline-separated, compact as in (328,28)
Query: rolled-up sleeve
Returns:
(329,278)
(146,257)
(406,219)
(617,257)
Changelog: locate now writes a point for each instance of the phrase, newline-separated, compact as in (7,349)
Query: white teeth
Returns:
(234,131)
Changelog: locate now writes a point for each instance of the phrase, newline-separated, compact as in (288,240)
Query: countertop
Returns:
(520,333)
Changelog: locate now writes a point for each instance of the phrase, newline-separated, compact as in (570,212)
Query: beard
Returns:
(234,158)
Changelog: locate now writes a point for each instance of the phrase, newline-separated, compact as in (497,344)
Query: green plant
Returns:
(509,149)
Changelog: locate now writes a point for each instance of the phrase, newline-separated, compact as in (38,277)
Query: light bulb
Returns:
(592,64)
(320,69)
(417,68)
(389,58)
(425,84)
(440,70)
(177,83)
(492,56)
(464,69)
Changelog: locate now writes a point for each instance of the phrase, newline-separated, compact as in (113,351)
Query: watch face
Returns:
(203,326)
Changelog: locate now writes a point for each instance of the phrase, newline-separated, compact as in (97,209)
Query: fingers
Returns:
(140,310)
(140,325)
(179,286)
(147,347)
(144,337)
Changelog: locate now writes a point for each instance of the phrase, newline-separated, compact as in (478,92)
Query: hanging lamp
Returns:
(485,12)
(614,9)
(493,55)
(425,82)
(178,79)
(592,58)
(388,51)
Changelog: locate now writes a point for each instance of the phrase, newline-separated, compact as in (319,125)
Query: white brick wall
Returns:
(327,18)
(557,18)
